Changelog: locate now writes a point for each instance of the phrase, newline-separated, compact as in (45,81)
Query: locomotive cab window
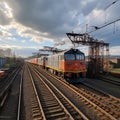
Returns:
(80,57)
(69,57)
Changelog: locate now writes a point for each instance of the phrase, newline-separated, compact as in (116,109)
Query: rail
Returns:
(105,110)
(71,108)
(108,80)
(6,86)
(20,95)
(34,108)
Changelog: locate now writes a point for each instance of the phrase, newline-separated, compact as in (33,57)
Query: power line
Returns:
(111,4)
(97,28)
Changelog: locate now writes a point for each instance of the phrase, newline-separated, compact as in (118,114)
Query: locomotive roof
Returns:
(70,51)
(74,51)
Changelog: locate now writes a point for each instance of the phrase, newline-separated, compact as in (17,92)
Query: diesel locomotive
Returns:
(69,64)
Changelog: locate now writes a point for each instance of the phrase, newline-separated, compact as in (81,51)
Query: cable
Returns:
(111,4)
(97,28)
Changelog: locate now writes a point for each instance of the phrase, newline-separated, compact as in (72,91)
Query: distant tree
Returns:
(1,53)
(8,52)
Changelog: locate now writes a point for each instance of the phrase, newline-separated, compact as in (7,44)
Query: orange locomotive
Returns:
(69,64)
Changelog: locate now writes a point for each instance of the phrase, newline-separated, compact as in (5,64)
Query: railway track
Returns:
(33,109)
(5,86)
(89,101)
(55,104)
(110,103)
(112,81)
(10,109)
(19,116)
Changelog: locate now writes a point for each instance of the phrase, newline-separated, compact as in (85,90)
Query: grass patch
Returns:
(115,70)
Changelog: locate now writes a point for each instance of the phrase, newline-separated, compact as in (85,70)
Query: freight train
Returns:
(69,64)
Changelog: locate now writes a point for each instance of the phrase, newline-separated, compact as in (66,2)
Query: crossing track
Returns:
(9,110)
(88,102)
(110,103)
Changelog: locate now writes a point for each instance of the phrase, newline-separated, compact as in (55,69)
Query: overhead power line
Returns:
(111,4)
(97,28)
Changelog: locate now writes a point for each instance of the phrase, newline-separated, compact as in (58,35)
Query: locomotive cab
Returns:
(75,67)
(68,64)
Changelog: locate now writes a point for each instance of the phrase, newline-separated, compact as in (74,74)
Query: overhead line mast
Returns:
(97,59)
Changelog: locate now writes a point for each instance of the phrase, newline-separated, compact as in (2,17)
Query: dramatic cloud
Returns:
(54,17)
(5,14)
(4,20)
(40,21)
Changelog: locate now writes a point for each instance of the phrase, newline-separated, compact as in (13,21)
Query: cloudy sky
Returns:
(28,25)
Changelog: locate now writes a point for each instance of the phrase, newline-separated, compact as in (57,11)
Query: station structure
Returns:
(98,54)
(50,49)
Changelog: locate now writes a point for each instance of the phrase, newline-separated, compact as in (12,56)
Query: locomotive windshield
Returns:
(80,57)
(69,57)
(74,57)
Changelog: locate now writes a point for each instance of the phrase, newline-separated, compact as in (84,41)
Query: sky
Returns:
(28,25)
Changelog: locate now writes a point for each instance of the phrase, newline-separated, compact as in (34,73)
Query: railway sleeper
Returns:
(117,115)
(47,100)
(87,103)
(37,116)
(74,113)
(69,107)
(50,105)
(51,108)
(102,117)
(44,92)
(38,119)
(57,116)
(54,111)
(36,110)
(34,102)
(35,106)
(48,97)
